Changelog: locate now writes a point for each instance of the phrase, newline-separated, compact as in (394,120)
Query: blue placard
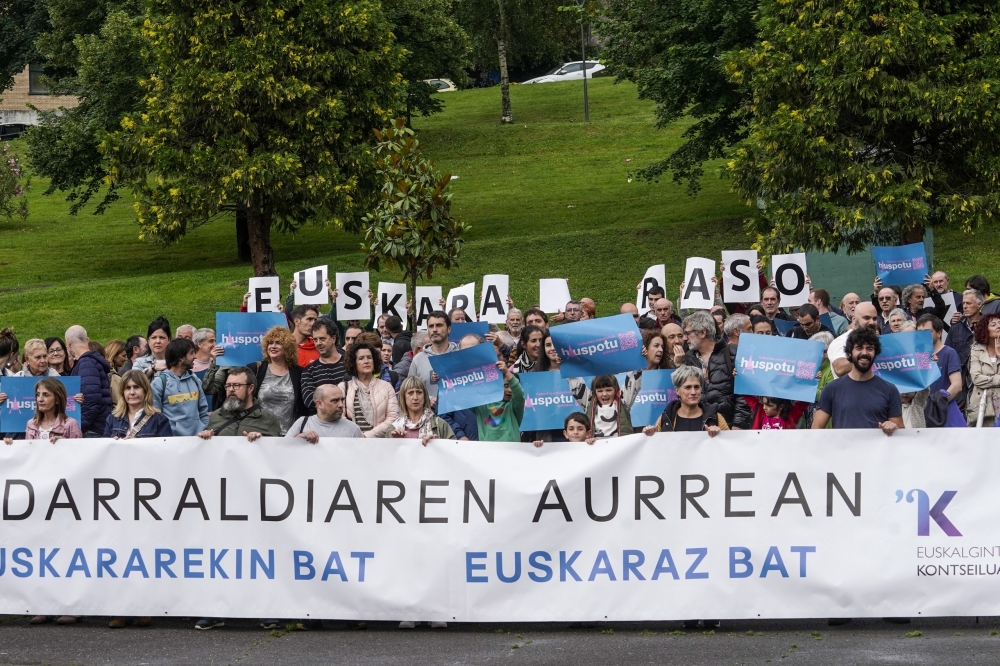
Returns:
(467,378)
(602,346)
(240,334)
(778,367)
(19,407)
(461,329)
(784,326)
(907,361)
(547,400)
(906,264)
(656,391)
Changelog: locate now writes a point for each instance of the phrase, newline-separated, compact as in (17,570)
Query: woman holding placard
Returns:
(689,413)
(369,401)
(50,421)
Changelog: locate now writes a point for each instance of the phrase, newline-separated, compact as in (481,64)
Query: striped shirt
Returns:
(318,373)
(359,416)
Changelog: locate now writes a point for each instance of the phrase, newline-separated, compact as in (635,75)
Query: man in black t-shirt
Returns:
(859,399)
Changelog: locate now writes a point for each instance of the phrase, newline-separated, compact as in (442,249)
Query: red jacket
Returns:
(775,423)
(307,352)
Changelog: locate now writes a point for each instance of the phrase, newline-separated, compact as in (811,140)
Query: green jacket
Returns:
(440,428)
(501,421)
(258,420)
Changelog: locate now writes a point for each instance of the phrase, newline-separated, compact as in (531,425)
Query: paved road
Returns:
(941,641)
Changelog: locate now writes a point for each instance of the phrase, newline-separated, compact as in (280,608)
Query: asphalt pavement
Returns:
(925,641)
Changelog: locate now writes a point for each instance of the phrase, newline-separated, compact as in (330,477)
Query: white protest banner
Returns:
(427,300)
(265,294)
(493,299)
(463,298)
(310,286)
(750,524)
(656,276)
(789,273)
(553,294)
(739,277)
(699,290)
(352,296)
(391,300)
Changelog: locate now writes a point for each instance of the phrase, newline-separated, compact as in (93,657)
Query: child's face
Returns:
(605,396)
(575,432)
(770,408)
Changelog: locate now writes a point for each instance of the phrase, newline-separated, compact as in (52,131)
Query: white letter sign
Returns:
(739,277)
(493,299)
(391,300)
(789,272)
(310,286)
(352,296)
(265,294)
(463,298)
(553,294)
(656,276)
(427,301)
(699,290)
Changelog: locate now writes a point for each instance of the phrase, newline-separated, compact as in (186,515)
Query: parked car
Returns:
(571,71)
(441,85)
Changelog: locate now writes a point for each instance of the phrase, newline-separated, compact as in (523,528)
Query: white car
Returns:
(571,71)
(442,85)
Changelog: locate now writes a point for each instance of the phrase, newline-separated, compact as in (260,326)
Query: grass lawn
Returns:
(546,197)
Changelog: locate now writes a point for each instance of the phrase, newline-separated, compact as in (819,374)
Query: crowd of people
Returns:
(322,377)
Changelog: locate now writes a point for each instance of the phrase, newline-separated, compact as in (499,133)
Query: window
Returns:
(35,86)
(571,67)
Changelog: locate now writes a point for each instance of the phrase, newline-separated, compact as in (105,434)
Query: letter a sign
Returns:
(698,286)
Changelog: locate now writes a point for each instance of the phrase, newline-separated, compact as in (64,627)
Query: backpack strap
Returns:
(236,419)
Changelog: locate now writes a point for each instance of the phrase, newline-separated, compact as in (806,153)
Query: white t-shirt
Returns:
(836,350)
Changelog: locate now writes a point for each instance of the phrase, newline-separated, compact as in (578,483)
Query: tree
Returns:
(21,22)
(508,33)
(871,120)
(13,185)
(103,69)
(436,46)
(673,52)
(411,227)
(260,107)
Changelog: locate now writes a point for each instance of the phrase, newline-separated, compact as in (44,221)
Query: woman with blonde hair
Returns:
(36,360)
(134,414)
(417,420)
(279,377)
(115,354)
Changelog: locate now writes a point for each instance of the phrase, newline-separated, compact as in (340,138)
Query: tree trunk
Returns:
(242,237)
(262,255)
(412,314)
(506,117)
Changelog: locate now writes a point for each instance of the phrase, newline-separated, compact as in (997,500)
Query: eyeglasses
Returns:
(55,352)
(235,387)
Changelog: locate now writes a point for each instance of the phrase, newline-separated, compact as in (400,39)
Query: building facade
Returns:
(29,89)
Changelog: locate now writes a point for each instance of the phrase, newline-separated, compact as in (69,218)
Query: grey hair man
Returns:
(95,384)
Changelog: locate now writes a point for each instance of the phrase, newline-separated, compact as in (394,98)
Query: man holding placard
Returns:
(859,399)
(438,328)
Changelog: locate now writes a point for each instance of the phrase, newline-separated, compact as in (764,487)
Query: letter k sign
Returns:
(925,512)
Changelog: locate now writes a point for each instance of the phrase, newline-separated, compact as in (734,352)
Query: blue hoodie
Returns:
(182,401)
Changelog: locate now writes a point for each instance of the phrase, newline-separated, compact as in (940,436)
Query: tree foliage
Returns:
(411,228)
(436,46)
(871,119)
(103,70)
(673,52)
(21,22)
(537,32)
(260,106)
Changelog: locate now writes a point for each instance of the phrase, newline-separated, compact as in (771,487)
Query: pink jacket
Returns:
(383,400)
(67,428)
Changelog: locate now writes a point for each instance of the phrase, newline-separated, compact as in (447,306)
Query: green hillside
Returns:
(546,197)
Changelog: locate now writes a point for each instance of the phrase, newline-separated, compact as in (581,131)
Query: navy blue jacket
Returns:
(464,423)
(95,386)
(157,426)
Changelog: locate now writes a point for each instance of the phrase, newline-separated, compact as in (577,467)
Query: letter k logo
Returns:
(925,512)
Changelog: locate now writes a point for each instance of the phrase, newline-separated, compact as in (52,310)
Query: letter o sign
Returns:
(799,276)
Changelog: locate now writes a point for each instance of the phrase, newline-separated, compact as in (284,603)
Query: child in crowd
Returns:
(576,428)
(775,413)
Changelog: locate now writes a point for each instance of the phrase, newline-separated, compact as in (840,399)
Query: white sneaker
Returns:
(407,625)
(439,625)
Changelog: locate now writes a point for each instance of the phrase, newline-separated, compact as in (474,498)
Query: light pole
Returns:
(583,57)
